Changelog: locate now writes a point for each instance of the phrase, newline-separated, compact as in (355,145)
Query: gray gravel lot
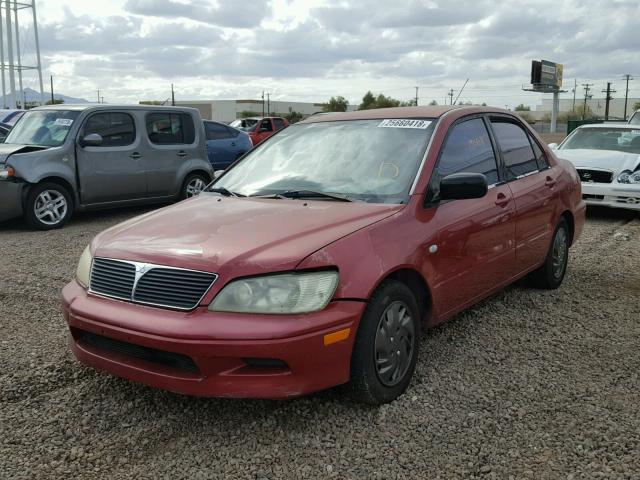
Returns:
(528,384)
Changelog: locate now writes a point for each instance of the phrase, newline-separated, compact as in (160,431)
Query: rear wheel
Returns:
(48,206)
(193,185)
(386,347)
(551,273)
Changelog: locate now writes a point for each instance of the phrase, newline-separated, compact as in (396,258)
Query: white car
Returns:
(607,158)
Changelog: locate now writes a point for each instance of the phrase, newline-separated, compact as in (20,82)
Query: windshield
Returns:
(635,119)
(622,140)
(45,128)
(244,123)
(371,160)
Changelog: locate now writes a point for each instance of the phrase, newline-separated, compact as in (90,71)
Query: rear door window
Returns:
(279,123)
(468,149)
(116,129)
(170,128)
(514,144)
(266,124)
(215,131)
(541,158)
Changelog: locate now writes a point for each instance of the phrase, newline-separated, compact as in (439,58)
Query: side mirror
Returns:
(91,140)
(217,174)
(460,186)
(553,146)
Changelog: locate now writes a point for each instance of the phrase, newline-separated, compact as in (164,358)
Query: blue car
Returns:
(225,144)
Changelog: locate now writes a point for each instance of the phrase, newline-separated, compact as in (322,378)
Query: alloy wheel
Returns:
(194,187)
(559,253)
(50,207)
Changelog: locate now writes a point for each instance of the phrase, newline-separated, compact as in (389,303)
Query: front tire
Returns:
(551,274)
(48,206)
(193,185)
(386,348)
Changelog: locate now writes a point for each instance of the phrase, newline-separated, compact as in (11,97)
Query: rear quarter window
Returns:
(170,128)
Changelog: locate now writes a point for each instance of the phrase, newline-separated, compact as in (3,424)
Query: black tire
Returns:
(367,384)
(43,214)
(550,275)
(187,190)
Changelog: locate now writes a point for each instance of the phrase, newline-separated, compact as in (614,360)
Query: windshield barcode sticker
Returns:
(405,123)
(65,122)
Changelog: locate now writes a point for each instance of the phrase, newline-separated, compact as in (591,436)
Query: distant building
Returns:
(597,106)
(229,110)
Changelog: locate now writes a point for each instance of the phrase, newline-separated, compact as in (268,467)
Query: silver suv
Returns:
(62,158)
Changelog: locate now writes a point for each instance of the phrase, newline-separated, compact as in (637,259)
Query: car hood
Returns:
(244,236)
(607,159)
(8,149)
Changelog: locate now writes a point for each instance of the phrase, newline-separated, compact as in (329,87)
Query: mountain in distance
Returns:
(32,96)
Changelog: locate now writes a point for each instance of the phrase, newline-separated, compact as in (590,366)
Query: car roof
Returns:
(402,112)
(109,106)
(620,125)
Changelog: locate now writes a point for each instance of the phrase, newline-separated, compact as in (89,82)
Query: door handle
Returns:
(550,182)
(233,144)
(135,155)
(502,200)
(182,153)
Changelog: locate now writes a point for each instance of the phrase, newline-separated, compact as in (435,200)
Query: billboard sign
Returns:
(545,74)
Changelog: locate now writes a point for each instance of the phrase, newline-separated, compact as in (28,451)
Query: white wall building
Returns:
(597,106)
(229,110)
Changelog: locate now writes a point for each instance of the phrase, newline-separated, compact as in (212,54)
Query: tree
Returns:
(370,101)
(249,113)
(523,108)
(636,106)
(55,101)
(294,116)
(336,104)
(433,103)
(526,116)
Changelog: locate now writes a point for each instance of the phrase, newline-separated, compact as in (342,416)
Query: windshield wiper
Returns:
(309,194)
(225,192)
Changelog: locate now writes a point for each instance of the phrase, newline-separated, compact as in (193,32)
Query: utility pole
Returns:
(416,96)
(98,96)
(450,94)
(52,100)
(587,87)
(608,91)
(626,95)
(268,105)
(23,97)
(173,96)
(4,87)
(263,103)
(575,87)
(12,76)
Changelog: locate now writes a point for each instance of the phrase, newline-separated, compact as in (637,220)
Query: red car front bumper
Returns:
(213,354)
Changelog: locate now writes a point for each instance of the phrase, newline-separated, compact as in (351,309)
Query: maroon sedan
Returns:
(318,259)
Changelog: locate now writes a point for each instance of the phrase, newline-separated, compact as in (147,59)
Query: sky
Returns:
(310,50)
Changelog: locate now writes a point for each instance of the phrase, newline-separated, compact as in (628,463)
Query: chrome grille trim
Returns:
(149,284)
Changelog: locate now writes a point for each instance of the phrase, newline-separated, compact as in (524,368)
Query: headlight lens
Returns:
(629,177)
(83,272)
(281,293)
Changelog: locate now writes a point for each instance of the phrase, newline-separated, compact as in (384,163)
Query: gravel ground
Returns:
(528,384)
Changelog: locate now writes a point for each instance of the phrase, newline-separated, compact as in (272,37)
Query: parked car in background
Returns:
(62,158)
(10,117)
(635,118)
(225,144)
(607,157)
(4,131)
(260,128)
(318,258)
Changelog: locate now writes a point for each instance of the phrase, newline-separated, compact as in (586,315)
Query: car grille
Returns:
(160,357)
(149,284)
(596,176)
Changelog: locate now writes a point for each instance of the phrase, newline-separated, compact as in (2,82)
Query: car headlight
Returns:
(83,272)
(628,176)
(279,293)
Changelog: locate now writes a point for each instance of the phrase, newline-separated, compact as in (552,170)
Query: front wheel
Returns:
(193,185)
(550,275)
(48,206)
(386,347)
